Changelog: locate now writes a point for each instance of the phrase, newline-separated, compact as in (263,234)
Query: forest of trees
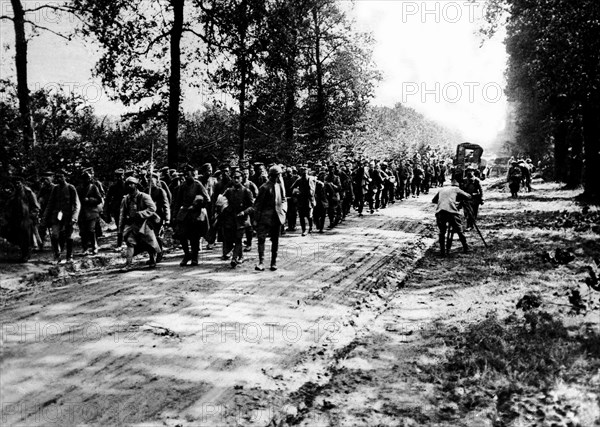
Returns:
(554,83)
(299,75)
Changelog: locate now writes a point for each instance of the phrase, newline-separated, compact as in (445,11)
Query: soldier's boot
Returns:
(93,244)
(128,257)
(119,239)
(69,244)
(273,260)
(195,250)
(261,257)
(274,249)
(186,253)
(442,240)
(463,240)
(151,262)
(55,249)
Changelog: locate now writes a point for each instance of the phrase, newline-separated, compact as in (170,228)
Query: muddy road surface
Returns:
(204,345)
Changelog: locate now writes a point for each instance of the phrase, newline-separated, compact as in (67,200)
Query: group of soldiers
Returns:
(519,175)
(231,205)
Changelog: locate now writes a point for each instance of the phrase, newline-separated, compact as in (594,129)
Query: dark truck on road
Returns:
(468,156)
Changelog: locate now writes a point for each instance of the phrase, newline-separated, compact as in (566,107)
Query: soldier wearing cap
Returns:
(21,215)
(360,181)
(61,213)
(164,175)
(189,215)
(259,177)
(91,205)
(114,197)
(347,190)
(176,180)
(138,211)
(447,214)
(334,210)
(163,210)
(303,190)
(515,175)
(254,190)
(43,197)
(235,217)
(100,187)
(224,181)
(472,186)
(288,180)
(270,209)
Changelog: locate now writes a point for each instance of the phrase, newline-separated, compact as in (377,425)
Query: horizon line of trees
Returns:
(299,72)
(71,136)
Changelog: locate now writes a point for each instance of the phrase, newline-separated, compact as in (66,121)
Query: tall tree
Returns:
(557,44)
(235,36)
(340,75)
(141,62)
(21,22)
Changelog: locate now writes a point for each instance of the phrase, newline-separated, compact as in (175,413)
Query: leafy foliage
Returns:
(554,77)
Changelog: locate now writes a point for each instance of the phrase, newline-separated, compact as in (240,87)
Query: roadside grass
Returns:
(532,365)
(496,363)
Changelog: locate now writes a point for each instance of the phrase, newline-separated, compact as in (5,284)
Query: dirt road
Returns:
(206,345)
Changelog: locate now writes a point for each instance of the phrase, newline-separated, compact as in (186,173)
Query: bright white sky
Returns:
(428,51)
(433,60)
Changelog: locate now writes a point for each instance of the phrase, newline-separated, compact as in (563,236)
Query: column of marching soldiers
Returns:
(232,205)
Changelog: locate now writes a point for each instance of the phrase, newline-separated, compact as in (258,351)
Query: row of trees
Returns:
(299,73)
(69,135)
(554,81)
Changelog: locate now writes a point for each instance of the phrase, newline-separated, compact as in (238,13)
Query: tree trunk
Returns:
(21,68)
(575,141)
(175,84)
(242,102)
(561,146)
(591,140)
(290,105)
(320,116)
(243,28)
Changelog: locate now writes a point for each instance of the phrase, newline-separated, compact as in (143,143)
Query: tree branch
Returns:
(197,34)
(41,27)
(153,42)
(52,7)
(7,17)
(70,9)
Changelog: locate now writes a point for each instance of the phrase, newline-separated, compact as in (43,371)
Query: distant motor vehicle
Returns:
(468,155)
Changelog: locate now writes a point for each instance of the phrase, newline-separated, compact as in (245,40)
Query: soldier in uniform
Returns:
(259,177)
(137,210)
(21,215)
(254,190)
(61,214)
(288,180)
(114,197)
(163,210)
(43,197)
(235,218)
(335,186)
(514,178)
(447,214)
(303,190)
(321,202)
(190,222)
(91,205)
(100,187)
(270,209)
(472,186)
